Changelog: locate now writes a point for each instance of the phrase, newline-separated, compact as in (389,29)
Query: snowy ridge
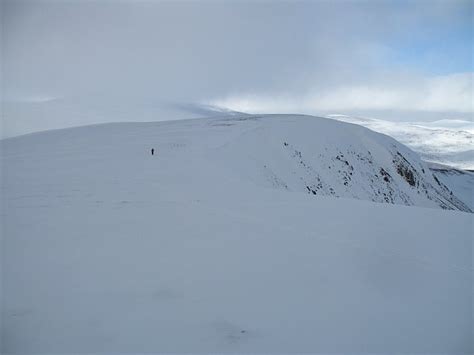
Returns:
(296,153)
(327,158)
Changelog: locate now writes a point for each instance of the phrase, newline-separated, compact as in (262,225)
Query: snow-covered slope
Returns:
(218,243)
(323,157)
(461,183)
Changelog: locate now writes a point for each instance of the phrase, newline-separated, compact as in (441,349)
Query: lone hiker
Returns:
(152,151)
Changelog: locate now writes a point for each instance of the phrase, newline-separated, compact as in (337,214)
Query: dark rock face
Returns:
(405,169)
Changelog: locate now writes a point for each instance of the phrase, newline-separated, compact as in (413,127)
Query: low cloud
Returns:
(449,93)
(256,56)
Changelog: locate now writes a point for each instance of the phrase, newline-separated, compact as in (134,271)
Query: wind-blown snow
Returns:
(201,248)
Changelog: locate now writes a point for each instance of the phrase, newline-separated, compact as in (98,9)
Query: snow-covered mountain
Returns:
(296,153)
(229,239)
(449,142)
(323,157)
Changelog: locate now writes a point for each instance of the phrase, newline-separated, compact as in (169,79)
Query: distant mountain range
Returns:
(448,142)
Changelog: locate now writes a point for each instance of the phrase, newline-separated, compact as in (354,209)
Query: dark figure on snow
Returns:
(152,151)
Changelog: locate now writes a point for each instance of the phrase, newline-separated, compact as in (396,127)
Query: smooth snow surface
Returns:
(216,245)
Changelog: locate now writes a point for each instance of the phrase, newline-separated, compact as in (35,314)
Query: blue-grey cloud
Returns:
(200,51)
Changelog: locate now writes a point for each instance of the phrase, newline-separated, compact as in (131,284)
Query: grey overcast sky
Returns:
(257,56)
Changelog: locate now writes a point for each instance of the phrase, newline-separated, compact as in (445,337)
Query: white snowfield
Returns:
(228,240)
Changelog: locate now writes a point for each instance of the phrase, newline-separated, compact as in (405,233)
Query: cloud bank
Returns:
(274,56)
(449,93)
